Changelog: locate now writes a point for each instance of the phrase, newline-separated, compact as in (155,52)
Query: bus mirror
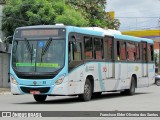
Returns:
(8,39)
(74,38)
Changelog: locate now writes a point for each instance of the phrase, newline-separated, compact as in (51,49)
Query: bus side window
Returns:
(150,53)
(75,51)
(98,51)
(137,51)
(109,48)
(123,51)
(88,47)
(131,49)
(118,50)
(144,52)
(70,52)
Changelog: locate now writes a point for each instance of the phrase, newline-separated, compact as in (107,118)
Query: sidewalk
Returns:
(4,90)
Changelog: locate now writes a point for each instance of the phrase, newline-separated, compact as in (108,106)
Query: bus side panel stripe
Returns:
(100,77)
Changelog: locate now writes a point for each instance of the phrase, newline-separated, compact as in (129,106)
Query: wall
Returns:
(1,33)
(4,69)
(4,54)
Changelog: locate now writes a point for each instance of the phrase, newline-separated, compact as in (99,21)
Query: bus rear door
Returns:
(144,64)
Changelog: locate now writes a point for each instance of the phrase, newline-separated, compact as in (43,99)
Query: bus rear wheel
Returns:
(40,98)
(158,82)
(131,90)
(86,96)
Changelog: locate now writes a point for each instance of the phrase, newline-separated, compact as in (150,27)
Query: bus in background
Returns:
(57,60)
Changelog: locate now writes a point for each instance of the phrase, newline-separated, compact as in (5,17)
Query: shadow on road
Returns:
(114,96)
(75,99)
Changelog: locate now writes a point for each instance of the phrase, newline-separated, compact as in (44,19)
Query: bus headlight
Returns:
(60,80)
(13,80)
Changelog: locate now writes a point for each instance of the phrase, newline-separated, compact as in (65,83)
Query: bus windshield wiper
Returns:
(45,48)
(29,48)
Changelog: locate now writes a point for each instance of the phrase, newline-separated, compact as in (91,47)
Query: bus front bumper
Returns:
(48,90)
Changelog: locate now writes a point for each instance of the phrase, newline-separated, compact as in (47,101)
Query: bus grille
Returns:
(28,89)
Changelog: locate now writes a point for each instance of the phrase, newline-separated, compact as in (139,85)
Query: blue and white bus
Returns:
(58,60)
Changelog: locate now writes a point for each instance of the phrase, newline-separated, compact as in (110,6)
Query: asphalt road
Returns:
(145,99)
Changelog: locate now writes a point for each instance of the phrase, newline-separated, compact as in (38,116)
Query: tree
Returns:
(156,59)
(94,11)
(19,13)
(68,15)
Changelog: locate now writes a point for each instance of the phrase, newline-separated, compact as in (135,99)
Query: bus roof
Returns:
(84,30)
(92,31)
(41,26)
(89,30)
(132,38)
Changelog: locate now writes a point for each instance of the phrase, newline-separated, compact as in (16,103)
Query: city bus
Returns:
(59,60)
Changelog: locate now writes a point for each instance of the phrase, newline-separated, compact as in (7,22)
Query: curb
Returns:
(5,91)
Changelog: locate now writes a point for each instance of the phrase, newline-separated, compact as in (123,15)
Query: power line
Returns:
(137,17)
(136,12)
(144,21)
(135,28)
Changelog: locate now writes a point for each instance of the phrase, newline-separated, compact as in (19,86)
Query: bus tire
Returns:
(86,96)
(131,90)
(40,98)
(158,82)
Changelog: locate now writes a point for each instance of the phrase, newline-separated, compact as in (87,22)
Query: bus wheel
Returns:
(86,96)
(158,82)
(40,98)
(130,91)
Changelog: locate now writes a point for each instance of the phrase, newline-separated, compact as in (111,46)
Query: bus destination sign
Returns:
(39,32)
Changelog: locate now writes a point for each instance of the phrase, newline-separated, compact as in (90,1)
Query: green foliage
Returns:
(68,15)
(94,11)
(26,12)
(19,13)
(71,18)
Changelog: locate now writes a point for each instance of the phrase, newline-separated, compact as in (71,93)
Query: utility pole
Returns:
(159,58)
(159,45)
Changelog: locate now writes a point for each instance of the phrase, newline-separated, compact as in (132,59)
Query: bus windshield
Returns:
(47,55)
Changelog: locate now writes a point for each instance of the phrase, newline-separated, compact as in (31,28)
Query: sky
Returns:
(136,14)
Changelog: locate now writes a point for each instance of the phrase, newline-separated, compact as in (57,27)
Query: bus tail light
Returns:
(13,80)
(60,80)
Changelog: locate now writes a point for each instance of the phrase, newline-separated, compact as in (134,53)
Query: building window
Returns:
(88,47)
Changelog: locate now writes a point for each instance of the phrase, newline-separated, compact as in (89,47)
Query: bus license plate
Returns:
(34,92)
